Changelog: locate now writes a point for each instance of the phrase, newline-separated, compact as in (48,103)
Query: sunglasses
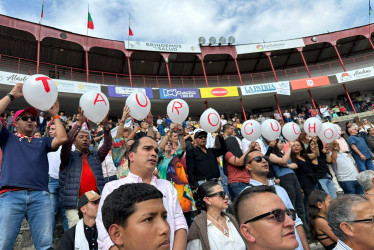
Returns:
(258,159)
(279,215)
(220,193)
(371,221)
(201,136)
(25,118)
(169,143)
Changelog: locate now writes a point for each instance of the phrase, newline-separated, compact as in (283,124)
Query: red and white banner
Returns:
(310,82)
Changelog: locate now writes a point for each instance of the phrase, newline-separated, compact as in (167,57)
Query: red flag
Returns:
(42,15)
(90,24)
(130,32)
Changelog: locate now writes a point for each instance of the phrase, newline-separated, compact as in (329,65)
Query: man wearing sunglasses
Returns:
(264,220)
(24,175)
(258,167)
(351,218)
(202,165)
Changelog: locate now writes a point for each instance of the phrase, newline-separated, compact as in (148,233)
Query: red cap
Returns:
(31,110)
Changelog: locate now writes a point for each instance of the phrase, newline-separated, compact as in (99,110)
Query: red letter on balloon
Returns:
(175,107)
(99,100)
(44,80)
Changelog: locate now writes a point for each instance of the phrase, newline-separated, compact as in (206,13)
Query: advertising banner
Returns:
(187,93)
(269,46)
(118,91)
(162,47)
(274,87)
(219,92)
(66,86)
(310,82)
(355,74)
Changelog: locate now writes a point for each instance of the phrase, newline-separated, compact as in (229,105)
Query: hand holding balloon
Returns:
(105,121)
(125,113)
(17,90)
(82,118)
(149,119)
(55,108)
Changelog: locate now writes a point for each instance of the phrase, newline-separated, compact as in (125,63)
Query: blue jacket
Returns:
(72,165)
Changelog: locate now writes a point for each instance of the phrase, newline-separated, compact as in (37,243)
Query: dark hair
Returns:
(315,197)
(246,157)
(204,190)
(248,193)
(276,150)
(80,214)
(302,153)
(121,203)
(226,127)
(135,145)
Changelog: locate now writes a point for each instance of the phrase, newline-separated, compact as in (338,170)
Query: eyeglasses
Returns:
(371,220)
(220,193)
(258,159)
(169,143)
(201,136)
(25,118)
(279,215)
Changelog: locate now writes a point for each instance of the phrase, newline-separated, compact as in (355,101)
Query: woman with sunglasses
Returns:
(366,124)
(214,229)
(319,201)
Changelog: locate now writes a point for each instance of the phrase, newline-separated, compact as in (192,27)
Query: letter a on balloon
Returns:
(99,100)
(45,83)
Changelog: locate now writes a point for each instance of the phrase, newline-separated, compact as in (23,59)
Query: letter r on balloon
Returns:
(176,107)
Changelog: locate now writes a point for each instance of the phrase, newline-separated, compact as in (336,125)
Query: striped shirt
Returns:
(341,246)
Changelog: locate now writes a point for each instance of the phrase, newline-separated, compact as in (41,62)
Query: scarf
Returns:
(20,136)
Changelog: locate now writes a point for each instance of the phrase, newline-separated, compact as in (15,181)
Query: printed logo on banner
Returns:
(219,92)
(310,83)
(282,88)
(355,74)
(179,93)
(116,91)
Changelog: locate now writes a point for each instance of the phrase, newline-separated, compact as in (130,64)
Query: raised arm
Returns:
(61,137)
(125,115)
(149,120)
(107,145)
(314,154)
(16,92)
(282,160)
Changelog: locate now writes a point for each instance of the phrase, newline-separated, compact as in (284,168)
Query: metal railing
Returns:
(26,66)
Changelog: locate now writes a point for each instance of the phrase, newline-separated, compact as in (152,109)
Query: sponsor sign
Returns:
(117,91)
(162,47)
(269,46)
(310,82)
(62,85)
(179,93)
(282,88)
(355,74)
(219,92)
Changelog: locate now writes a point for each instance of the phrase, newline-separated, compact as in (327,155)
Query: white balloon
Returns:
(270,129)
(251,130)
(291,131)
(313,126)
(210,121)
(328,132)
(139,105)
(40,91)
(178,110)
(339,129)
(95,105)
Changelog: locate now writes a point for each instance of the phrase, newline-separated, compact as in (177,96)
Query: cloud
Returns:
(184,21)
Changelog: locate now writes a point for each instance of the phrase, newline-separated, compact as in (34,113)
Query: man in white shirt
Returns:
(258,168)
(143,157)
(325,112)
(350,218)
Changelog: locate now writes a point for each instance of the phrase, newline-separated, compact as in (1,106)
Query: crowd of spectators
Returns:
(125,184)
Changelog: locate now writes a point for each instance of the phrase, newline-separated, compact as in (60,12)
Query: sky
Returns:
(184,21)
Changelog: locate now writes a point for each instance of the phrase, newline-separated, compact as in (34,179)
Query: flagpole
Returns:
(128,33)
(88,7)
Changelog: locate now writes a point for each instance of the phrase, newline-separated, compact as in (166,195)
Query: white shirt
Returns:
(159,121)
(341,246)
(287,115)
(54,162)
(325,111)
(223,122)
(210,140)
(219,241)
(344,168)
(109,169)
